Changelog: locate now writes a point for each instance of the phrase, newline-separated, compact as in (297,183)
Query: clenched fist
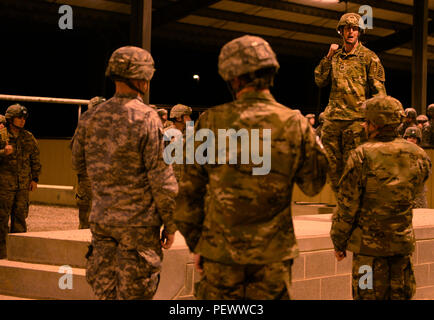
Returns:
(332,50)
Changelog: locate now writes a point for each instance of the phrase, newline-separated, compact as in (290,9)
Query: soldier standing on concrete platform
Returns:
(83,196)
(120,146)
(19,171)
(236,221)
(375,201)
(355,74)
(180,114)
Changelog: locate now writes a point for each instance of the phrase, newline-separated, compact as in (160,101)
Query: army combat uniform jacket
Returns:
(376,198)
(23,165)
(132,186)
(230,216)
(354,77)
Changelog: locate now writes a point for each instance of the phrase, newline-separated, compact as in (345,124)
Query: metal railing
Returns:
(79,102)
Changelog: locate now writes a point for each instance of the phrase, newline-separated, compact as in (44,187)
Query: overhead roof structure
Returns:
(295,28)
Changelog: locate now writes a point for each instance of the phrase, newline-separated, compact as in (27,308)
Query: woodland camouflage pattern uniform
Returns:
(121,147)
(409,121)
(240,223)
(83,196)
(375,202)
(354,77)
(17,170)
(420,201)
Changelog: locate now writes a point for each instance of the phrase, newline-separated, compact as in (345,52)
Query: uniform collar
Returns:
(355,52)
(128,96)
(256,95)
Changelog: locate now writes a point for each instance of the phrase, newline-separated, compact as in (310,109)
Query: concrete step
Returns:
(50,247)
(40,281)
(42,253)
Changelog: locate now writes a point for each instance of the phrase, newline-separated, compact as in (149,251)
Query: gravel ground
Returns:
(50,218)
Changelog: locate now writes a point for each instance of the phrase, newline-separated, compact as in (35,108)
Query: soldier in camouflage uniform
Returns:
(83,196)
(3,134)
(20,168)
(120,146)
(311,118)
(428,129)
(421,120)
(409,121)
(180,114)
(163,116)
(238,224)
(375,202)
(355,74)
(414,135)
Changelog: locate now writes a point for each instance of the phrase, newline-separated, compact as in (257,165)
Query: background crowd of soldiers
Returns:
(238,225)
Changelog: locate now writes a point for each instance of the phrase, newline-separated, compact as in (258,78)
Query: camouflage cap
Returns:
(245,55)
(310,115)
(410,113)
(161,112)
(2,119)
(95,101)
(350,19)
(130,63)
(413,132)
(179,110)
(383,110)
(16,110)
(421,118)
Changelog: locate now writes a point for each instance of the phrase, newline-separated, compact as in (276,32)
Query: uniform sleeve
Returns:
(312,172)
(161,178)
(35,162)
(323,72)
(350,191)
(376,77)
(78,159)
(189,213)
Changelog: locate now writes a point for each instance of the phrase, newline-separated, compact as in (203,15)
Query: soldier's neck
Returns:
(349,48)
(14,131)
(250,89)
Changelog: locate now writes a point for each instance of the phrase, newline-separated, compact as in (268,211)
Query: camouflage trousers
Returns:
(14,204)
(339,137)
(124,262)
(392,278)
(84,201)
(244,282)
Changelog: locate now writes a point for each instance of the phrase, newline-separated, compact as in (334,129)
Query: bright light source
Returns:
(196,77)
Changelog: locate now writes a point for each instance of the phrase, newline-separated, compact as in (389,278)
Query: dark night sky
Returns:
(42,60)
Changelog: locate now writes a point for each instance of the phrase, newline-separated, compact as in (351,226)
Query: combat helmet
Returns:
(2,119)
(413,132)
(245,55)
(130,63)
(383,110)
(421,118)
(410,113)
(161,112)
(179,110)
(351,19)
(95,101)
(430,111)
(16,110)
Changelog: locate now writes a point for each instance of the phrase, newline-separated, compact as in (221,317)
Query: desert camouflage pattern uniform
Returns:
(120,145)
(374,216)
(354,77)
(3,134)
(83,195)
(17,170)
(239,223)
